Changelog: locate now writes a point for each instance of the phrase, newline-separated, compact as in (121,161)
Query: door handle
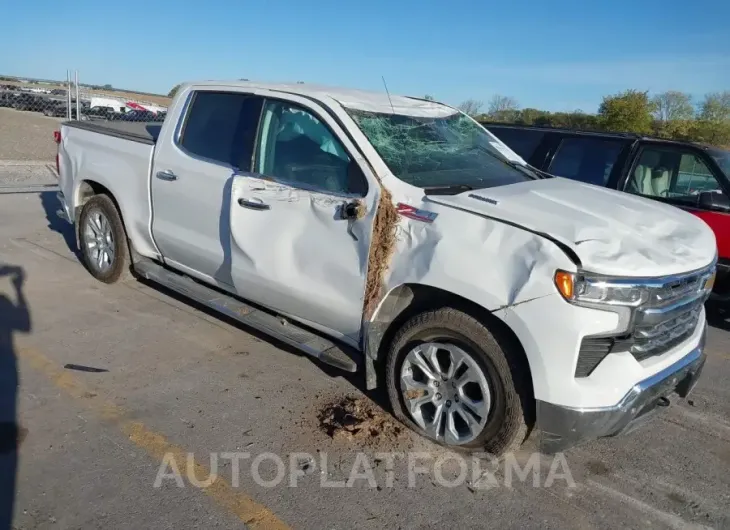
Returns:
(253,205)
(166,175)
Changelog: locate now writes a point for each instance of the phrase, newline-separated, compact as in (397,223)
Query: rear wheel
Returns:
(104,249)
(450,380)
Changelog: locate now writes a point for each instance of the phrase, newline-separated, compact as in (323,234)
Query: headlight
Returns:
(581,288)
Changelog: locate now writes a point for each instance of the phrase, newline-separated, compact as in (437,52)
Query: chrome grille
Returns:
(655,332)
(676,289)
(670,315)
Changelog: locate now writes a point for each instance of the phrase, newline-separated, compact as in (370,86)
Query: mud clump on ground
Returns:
(359,420)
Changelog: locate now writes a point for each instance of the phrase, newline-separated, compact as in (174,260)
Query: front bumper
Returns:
(563,427)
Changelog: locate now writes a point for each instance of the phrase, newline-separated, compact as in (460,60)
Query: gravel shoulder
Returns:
(27,136)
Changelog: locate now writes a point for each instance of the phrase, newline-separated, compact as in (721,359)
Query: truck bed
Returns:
(117,156)
(142,132)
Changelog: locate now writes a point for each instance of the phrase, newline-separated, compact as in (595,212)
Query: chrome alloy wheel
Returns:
(445,392)
(99,241)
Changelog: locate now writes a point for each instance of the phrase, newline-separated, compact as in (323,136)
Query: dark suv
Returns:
(691,176)
(29,102)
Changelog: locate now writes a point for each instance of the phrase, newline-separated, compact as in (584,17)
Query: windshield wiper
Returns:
(448,190)
(532,169)
(531,172)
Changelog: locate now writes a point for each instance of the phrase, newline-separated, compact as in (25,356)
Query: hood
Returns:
(611,232)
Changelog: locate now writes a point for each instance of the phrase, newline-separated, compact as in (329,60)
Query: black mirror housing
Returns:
(714,200)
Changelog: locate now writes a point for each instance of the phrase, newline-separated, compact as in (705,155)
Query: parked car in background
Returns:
(7,99)
(56,109)
(691,176)
(26,101)
(397,237)
(142,115)
(102,113)
(60,110)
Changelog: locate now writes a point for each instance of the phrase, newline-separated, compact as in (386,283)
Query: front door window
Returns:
(671,173)
(296,148)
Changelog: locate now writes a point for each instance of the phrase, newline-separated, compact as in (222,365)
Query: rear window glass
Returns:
(521,141)
(586,159)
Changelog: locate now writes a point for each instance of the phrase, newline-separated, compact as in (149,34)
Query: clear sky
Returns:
(555,54)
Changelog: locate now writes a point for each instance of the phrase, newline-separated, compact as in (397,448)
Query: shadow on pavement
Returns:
(357,380)
(51,205)
(14,316)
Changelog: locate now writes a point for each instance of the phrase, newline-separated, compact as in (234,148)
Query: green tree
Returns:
(716,107)
(429,97)
(108,87)
(173,91)
(712,132)
(628,111)
(673,105)
(677,129)
(530,116)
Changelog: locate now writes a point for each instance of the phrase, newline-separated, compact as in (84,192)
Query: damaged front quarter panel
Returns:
(463,256)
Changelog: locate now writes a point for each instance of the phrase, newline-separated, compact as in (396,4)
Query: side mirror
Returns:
(713,200)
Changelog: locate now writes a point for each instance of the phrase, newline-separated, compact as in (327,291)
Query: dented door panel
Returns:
(292,251)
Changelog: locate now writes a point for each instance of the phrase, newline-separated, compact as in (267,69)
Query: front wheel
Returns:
(103,240)
(450,380)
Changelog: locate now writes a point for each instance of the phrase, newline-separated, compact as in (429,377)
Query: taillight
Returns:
(57,139)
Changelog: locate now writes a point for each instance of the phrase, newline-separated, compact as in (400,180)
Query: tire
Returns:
(101,227)
(504,427)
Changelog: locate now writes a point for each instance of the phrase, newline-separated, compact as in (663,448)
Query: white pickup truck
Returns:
(397,236)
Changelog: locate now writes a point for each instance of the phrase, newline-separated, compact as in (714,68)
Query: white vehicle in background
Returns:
(107,103)
(397,236)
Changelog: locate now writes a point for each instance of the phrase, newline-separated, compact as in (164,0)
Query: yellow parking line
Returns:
(253,514)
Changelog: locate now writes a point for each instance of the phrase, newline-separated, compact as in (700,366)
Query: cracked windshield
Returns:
(439,152)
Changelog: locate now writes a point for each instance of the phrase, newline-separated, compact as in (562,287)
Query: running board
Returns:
(274,326)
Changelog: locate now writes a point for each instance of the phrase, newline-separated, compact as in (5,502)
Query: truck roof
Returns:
(364,100)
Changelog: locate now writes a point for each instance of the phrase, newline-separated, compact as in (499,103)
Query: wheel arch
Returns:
(87,189)
(408,299)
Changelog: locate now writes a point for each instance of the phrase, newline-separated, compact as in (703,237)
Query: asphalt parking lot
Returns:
(119,385)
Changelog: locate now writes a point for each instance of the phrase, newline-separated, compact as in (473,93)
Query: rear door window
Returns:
(524,142)
(221,127)
(589,160)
